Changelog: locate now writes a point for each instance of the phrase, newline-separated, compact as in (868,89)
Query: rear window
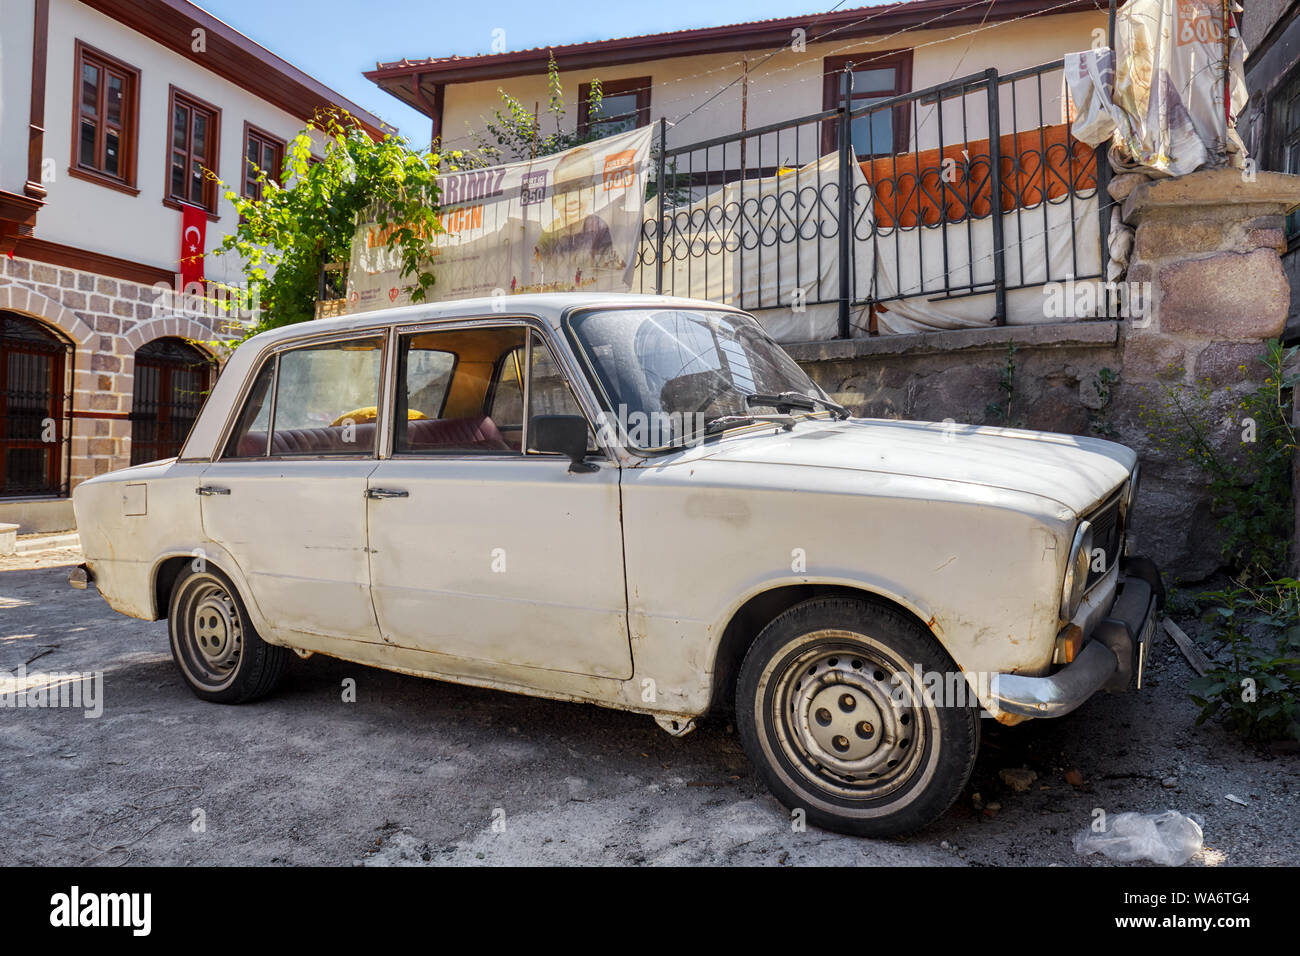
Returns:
(312,401)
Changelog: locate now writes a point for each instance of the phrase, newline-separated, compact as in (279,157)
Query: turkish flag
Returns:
(193,223)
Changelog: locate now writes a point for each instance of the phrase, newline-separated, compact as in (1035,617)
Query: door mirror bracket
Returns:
(564,435)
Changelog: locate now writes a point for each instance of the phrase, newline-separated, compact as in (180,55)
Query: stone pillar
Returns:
(1207,251)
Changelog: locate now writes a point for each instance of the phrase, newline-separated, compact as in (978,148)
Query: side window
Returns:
(506,402)
(548,390)
(457,393)
(324,402)
(327,399)
(427,374)
(249,437)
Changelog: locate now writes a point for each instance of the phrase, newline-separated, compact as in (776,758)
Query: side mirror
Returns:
(562,434)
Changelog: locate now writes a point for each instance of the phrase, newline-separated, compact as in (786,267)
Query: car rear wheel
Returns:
(214,644)
(830,710)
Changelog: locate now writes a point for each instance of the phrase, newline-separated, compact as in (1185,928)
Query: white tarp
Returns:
(561,223)
(1047,241)
(744,236)
(773,237)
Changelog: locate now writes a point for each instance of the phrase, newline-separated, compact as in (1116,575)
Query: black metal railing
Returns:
(970,187)
(716,228)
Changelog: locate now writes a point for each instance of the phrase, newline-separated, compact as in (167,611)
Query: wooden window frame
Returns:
(58,468)
(129,129)
(640,85)
(275,175)
(832,68)
(164,404)
(210,194)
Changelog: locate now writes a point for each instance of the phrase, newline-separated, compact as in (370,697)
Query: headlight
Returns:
(1076,571)
(1130,495)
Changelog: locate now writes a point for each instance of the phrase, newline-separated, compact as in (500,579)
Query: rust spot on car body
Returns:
(1010,720)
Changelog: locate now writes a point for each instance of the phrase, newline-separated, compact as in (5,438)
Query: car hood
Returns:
(1073,471)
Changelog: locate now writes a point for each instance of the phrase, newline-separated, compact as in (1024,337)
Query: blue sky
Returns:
(334,40)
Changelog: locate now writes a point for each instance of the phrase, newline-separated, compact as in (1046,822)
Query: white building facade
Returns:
(707,82)
(110,111)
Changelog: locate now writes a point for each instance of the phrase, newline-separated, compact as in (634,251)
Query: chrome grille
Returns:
(1106,534)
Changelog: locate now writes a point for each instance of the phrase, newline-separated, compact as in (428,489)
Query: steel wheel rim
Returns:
(847,715)
(210,634)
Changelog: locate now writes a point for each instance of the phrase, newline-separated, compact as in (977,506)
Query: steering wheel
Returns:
(719,388)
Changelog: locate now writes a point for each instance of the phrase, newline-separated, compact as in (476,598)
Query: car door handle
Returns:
(211,490)
(386,493)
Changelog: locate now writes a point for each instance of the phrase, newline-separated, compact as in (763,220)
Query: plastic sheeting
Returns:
(743,236)
(775,239)
(1052,240)
(1159,96)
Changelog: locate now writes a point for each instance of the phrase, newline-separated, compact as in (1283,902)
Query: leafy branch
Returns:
(308,211)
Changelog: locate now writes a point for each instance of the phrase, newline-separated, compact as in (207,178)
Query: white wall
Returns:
(17,20)
(100,219)
(790,84)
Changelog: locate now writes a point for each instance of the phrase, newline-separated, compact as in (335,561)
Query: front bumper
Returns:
(1117,650)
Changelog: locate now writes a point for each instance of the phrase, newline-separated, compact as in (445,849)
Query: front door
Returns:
(32,427)
(172,379)
(287,498)
(480,547)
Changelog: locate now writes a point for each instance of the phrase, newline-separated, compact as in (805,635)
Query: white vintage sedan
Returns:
(641,503)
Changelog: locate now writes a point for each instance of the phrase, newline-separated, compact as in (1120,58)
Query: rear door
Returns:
(480,547)
(287,497)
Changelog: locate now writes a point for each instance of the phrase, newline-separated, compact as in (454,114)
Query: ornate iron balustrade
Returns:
(750,217)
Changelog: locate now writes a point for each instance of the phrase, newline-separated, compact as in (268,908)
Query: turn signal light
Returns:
(1068,644)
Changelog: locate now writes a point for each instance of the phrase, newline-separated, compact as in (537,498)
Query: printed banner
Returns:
(562,223)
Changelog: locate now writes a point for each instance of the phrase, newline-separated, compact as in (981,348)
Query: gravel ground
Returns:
(421,772)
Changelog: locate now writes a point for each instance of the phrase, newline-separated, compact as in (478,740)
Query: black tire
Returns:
(213,642)
(835,733)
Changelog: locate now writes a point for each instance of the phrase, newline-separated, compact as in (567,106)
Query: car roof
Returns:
(549,306)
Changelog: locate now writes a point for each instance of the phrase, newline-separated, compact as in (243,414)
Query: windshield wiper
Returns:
(785,401)
(723,422)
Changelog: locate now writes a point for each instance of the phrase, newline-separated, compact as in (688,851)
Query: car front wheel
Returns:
(214,644)
(831,711)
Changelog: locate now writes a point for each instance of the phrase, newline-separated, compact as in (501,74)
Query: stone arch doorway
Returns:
(172,380)
(34,407)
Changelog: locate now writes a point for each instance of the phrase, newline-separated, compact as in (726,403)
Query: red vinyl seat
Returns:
(476,433)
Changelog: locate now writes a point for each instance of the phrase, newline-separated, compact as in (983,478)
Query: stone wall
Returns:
(1269,67)
(106,320)
(939,375)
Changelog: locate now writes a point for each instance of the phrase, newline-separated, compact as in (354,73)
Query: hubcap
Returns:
(848,716)
(209,633)
(215,630)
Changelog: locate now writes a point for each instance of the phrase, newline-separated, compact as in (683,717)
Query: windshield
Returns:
(673,376)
